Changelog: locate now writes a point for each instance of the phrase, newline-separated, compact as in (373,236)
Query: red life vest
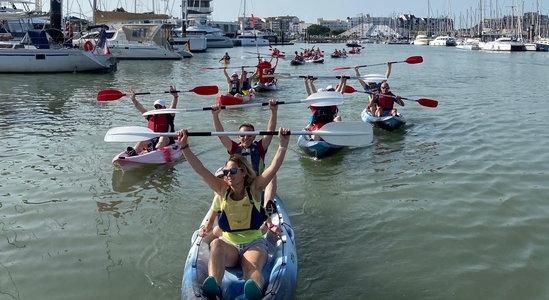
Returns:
(385,101)
(261,67)
(159,123)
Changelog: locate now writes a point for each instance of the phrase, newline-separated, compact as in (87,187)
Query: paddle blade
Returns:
(133,134)
(324,99)
(340,68)
(427,102)
(205,90)
(414,60)
(346,133)
(348,89)
(109,95)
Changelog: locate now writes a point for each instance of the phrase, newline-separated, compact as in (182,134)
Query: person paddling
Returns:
(373,87)
(383,102)
(242,242)
(226,57)
(234,82)
(157,123)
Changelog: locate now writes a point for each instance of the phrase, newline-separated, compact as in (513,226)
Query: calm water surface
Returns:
(452,207)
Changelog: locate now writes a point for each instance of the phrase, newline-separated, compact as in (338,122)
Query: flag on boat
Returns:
(253,21)
(103,44)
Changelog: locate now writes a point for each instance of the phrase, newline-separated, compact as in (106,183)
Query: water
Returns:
(452,207)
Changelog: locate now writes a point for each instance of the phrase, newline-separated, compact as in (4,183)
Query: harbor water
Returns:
(454,206)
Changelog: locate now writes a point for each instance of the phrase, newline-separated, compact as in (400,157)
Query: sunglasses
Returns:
(385,88)
(231,171)
(158,106)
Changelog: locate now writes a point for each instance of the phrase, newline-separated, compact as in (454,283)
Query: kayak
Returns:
(389,123)
(280,272)
(354,52)
(297,62)
(260,87)
(225,61)
(339,56)
(160,156)
(316,61)
(232,100)
(317,149)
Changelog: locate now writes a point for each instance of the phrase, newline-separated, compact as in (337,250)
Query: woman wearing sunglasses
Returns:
(157,123)
(242,240)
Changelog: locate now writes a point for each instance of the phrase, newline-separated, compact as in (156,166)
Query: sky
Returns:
(229,10)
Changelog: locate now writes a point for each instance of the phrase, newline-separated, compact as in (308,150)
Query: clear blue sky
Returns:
(229,10)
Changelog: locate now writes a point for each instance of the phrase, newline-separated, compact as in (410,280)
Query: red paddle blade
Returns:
(414,60)
(205,90)
(341,68)
(427,102)
(348,89)
(109,95)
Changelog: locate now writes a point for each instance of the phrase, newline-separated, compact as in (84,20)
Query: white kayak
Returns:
(280,272)
(160,156)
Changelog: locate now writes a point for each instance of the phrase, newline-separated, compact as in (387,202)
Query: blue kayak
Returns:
(280,272)
(317,149)
(389,123)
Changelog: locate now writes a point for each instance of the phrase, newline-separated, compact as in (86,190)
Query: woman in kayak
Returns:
(242,241)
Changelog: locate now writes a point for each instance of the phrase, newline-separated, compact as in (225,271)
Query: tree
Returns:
(119,9)
(337,31)
(318,30)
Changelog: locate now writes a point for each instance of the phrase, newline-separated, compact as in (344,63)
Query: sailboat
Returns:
(248,36)
(45,51)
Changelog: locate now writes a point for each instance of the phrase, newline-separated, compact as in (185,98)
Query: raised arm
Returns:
(264,178)
(388,72)
(225,140)
(271,126)
(362,83)
(342,84)
(306,83)
(136,103)
(227,78)
(216,184)
(175,97)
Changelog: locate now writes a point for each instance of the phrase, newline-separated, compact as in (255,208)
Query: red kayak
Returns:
(354,52)
(231,100)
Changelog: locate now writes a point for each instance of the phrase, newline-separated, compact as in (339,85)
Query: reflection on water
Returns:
(145,178)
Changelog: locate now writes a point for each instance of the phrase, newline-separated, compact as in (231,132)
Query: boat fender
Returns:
(88,46)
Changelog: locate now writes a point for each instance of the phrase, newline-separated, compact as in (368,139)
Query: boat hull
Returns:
(297,62)
(317,149)
(259,87)
(54,61)
(389,123)
(280,272)
(231,100)
(163,155)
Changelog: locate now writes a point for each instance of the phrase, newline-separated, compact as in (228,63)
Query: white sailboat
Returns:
(249,36)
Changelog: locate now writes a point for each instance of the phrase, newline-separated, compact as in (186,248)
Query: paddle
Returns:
(110,95)
(367,78)
(220,68)
(337,133)
(316,99)
(410,60)
(422,101)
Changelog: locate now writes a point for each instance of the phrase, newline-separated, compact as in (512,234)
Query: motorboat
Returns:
(421,40)
(443,41)
(504,44)
(136,41)
(195,43)
(251,39)
(469,44)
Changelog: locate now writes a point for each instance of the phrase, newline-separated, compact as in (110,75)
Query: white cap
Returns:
(234,73)
(160,102)
(330,87)
(219,173)
(322,90)
(264,60)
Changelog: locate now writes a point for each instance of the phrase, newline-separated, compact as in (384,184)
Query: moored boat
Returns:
(389,123)
(280,271)
(317,149)
(163,155)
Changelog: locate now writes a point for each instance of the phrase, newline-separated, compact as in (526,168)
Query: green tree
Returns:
(119,9)
(318,30)
(337,31)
